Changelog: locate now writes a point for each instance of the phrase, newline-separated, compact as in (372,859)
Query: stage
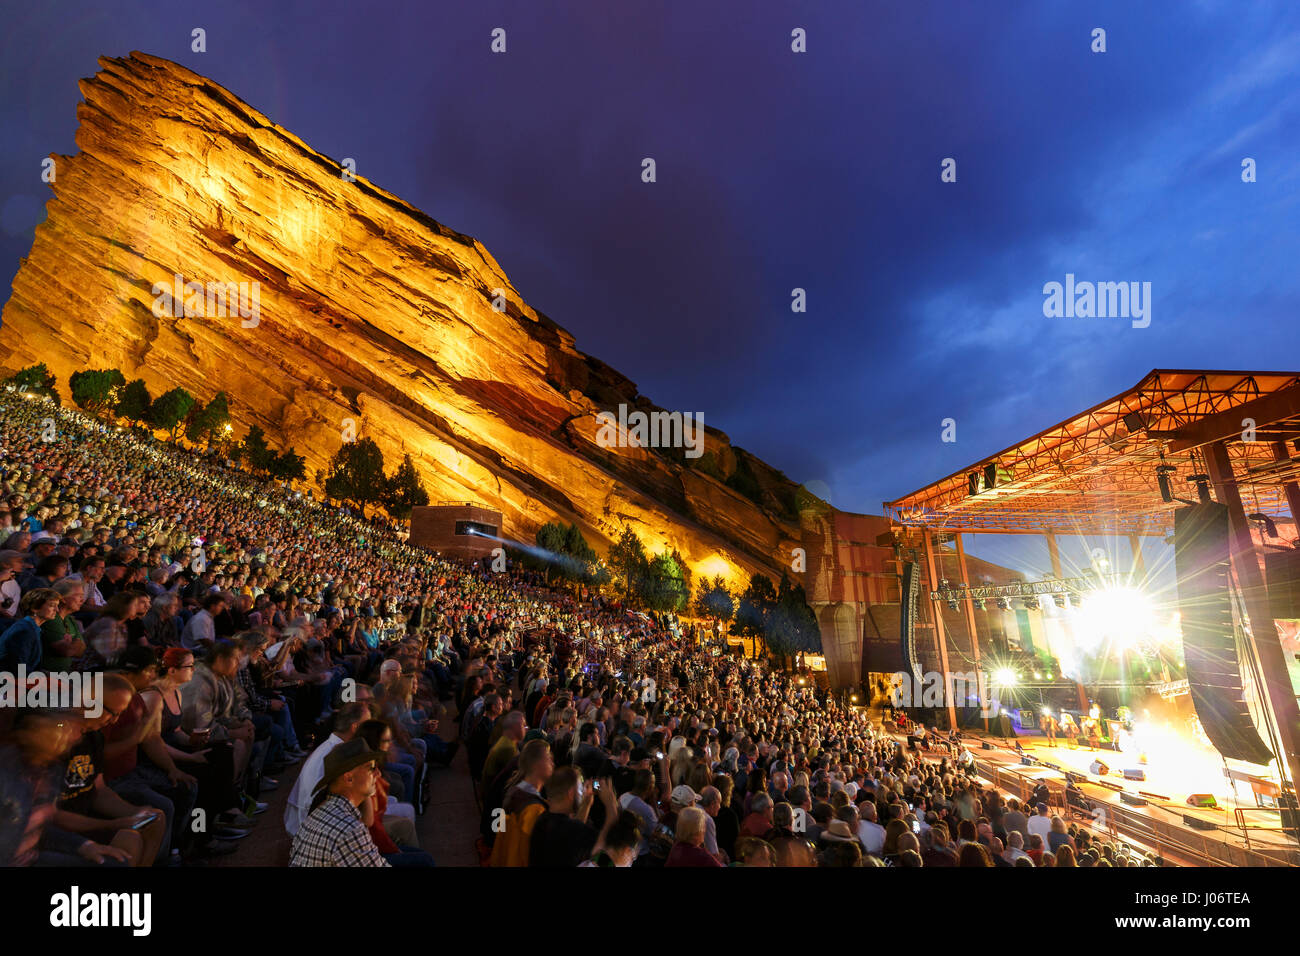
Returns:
(1162,824)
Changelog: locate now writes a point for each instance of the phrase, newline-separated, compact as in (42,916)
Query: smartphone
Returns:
(141,824)
(916,826)
(596,785)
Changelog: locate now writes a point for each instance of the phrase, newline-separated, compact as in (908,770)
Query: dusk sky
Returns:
(777,170)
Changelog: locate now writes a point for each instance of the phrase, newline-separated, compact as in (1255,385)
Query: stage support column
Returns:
(970,617)
(937,611)
(1291,488)
(1054,551)
(1263,632)
(1139,565)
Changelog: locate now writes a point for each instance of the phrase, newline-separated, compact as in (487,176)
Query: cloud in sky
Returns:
(780,170)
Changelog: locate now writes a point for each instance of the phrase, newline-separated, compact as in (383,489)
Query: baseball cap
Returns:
(683,796)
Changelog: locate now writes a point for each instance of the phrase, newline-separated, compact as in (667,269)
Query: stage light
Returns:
(1202,487)
(1004,677)
(1162,478)
(1123,616)
(979,603)
(1037,676)
(1270,528)
(1004,604)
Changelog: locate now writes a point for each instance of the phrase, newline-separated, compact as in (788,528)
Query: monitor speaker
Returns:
(1204,801)
(1201,562)
(1196,823)
(1132,799)
(1135,775)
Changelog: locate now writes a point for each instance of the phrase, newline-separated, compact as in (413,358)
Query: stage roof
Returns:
(1096,473)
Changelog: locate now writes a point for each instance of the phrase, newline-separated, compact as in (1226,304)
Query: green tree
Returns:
(208,422)
(356,474)
(36,379)
(792,625)
(599,574)
(686,574)
(255,451)
(96,390)
(405,490)
(753,608)
(550,537)
(714,600)
(664,588)
(576,546)
(133,402)
(628,562)
(169,410)
(288,466)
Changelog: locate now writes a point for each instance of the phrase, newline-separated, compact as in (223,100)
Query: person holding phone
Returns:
(88,806)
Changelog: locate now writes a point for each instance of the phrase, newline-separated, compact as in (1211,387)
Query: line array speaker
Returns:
(1201,562)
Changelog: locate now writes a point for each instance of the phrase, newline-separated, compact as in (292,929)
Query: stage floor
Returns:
(1166,787)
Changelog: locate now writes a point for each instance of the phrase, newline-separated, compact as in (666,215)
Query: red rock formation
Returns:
(368,309)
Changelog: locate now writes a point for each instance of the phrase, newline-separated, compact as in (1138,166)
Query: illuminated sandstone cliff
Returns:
(368,309)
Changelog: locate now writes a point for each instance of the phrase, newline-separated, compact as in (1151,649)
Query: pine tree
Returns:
(356,474)
(208,423)
(405,490)
(288,466)
(133,402)
(714,600)
(256,452)
(36,379)
(169,410)
(96,390)
(628,562)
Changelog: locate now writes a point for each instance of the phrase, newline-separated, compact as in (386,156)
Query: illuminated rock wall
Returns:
(367,309)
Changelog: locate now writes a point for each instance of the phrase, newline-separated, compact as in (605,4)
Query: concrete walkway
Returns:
(447,829)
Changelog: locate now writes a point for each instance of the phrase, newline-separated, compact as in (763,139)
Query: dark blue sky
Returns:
(779,170)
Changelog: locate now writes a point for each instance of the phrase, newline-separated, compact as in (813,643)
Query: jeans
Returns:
(409,856)
(284,720)
(148,785)
(268,729)
(404,769)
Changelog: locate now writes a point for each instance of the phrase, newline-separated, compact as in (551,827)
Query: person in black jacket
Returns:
(480,738)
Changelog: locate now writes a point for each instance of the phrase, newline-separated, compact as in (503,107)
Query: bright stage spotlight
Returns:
(1004,677)
(1123,616)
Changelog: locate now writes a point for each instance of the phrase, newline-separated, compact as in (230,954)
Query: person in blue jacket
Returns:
(21,641)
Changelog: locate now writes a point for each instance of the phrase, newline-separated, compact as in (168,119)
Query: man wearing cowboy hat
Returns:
(334,834)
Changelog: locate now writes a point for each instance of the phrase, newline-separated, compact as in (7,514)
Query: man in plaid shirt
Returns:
(334,833)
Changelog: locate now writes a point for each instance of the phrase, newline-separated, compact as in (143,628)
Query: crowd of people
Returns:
(242,629)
